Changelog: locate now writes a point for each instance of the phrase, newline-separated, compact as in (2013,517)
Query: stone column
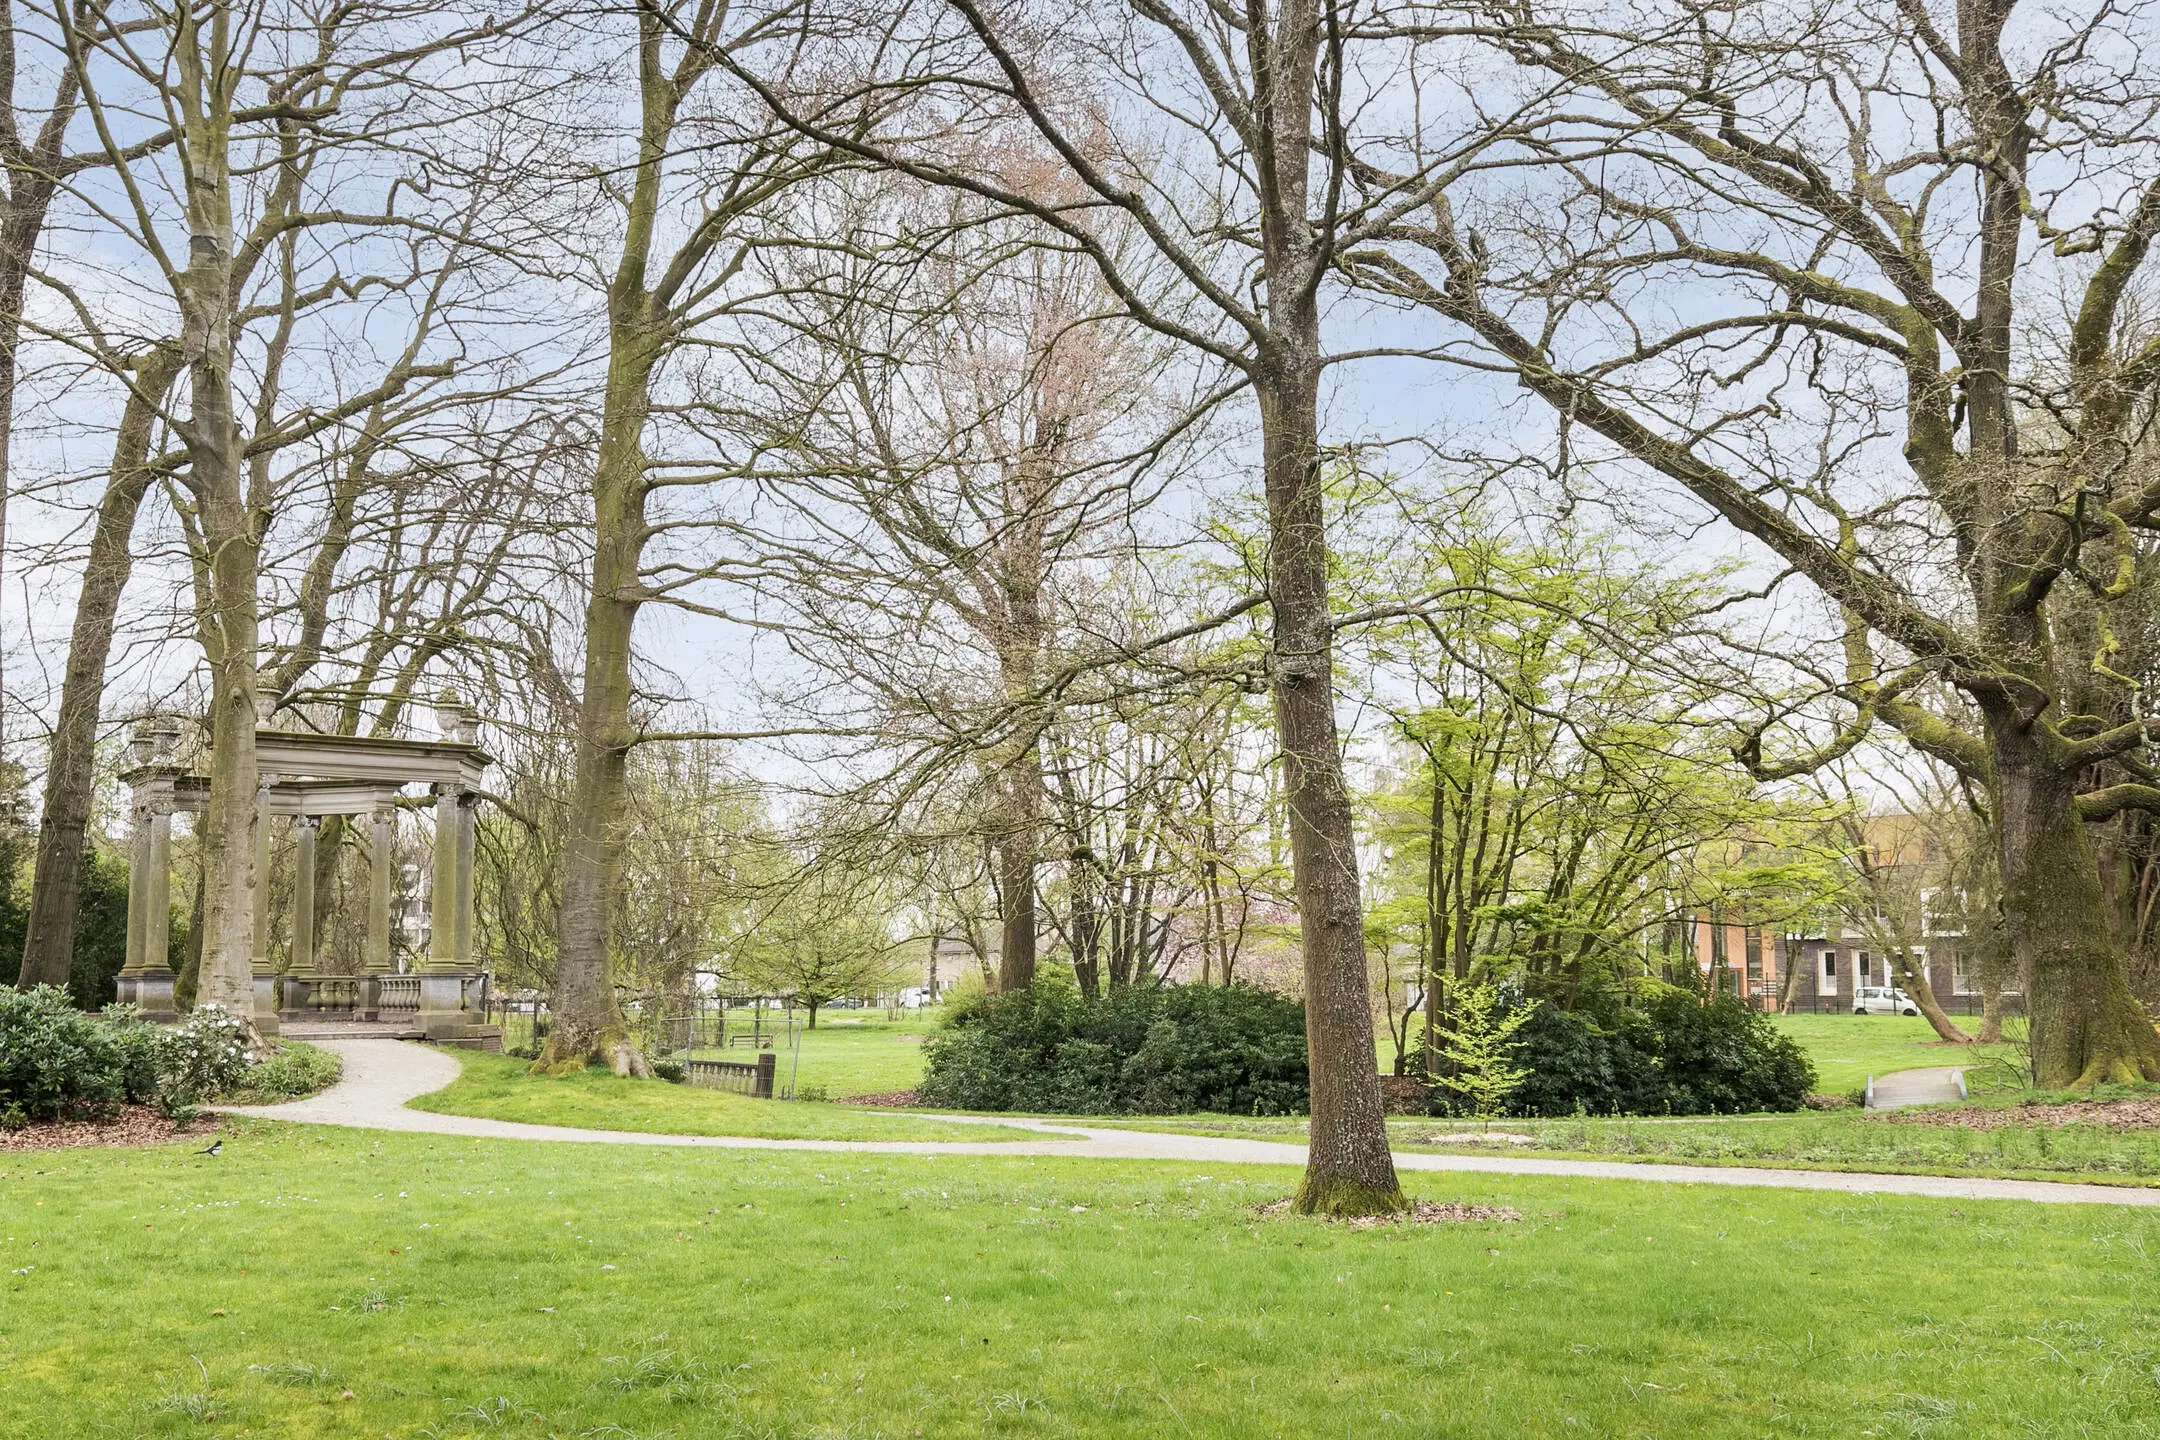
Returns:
(302,960)
(266,976)
(150,985)
(382,860)
(442,983)
(382,876)
(468,806)
(138,881)
(157,894)
(443,893)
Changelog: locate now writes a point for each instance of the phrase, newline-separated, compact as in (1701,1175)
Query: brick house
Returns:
(1845,953)
(1737,958)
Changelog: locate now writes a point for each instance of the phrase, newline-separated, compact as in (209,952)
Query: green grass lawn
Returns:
(863,1053)
(1847,1049)
(1841,1140)
(499,1087)
(858,1053)
(317,1283)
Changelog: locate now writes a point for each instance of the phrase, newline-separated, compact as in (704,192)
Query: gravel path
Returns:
(381,1075)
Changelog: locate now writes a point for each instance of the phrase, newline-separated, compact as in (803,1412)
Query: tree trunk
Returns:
(1788,971)
(70,772)
(588,1022)
(227,603)
(1086,883)
(1991,1012)
(1349,1169)
(1016,887)
(2086,1026)
(1916,983)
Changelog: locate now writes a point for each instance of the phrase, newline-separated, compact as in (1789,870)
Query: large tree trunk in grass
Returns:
(588,1023)
(228,829)
(70,772)
(2086,1026)
(1349,1169)
(227,566)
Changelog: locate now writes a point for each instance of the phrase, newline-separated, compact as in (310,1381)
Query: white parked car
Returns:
(1882,1000)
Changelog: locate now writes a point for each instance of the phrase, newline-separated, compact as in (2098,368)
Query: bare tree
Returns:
(959,437)
(1220,137)
(250,87)
(1877,217)
(694,144)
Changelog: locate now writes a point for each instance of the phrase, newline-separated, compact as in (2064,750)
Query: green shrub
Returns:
(292,1070)
(1671,1055)
(142,1051)
(55,1061)
(1156,1050)
(671,1071)
(1726,1057)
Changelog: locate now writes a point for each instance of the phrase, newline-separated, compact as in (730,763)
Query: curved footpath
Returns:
(381,1075)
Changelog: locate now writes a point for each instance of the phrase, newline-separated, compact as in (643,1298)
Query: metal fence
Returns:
(1951,1004)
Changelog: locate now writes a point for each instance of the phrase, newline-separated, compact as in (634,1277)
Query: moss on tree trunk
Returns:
(2086,1026)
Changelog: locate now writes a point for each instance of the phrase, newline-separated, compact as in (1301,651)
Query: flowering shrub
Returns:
(204,1057)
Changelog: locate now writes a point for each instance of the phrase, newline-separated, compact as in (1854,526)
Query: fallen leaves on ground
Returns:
(2119,1114)
(1422,1212)
(889,1100)
(134,1125)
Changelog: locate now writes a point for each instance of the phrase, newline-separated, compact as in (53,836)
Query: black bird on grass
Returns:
(213,1147)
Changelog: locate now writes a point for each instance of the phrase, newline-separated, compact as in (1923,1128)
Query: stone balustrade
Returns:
(751,1079)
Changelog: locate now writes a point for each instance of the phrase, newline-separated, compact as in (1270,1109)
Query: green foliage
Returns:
(1725,1057)
(1672,1054)
(58,1063)
(1479,1051)
(142,1048)
(819,941)
(1561,777)
(1578,1066)
(671,1071)
(290,1071)
(1155,1050)
(100,927)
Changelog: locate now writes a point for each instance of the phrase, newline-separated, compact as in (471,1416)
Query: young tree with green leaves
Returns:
(1477,1051)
